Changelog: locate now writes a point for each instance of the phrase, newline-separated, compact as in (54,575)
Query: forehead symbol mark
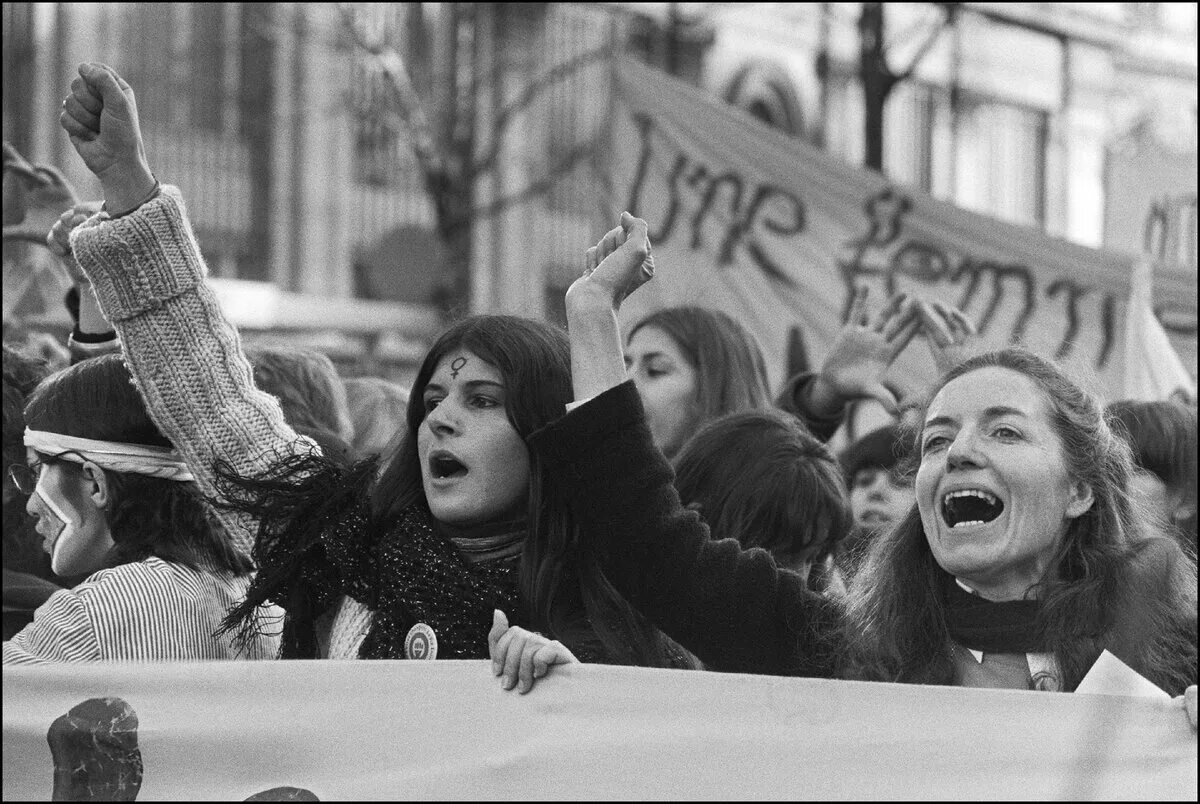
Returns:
(456,366)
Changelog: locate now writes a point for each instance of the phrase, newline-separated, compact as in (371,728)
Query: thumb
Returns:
(499,626)
(103,83)
(883,395)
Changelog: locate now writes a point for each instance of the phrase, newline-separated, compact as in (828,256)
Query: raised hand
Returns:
(862,352)
(521,657)
(100,116)
(59,239)
(951,336)
(618,265)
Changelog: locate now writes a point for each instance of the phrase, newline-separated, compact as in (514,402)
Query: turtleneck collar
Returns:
(489,541)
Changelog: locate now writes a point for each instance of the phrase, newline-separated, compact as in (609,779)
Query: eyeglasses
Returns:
(25,476)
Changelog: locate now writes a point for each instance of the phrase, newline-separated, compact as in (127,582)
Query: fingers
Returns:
(75,130)
(894,305)
(883,395)
(500,654)
(73,108)
(590,262)
(525,671)
(512,658)
(58,238)
(550,654)
(935,326)
(960,325)
(103,82)
(899,321)
(898,342)
(87,99)
(499,626)
(609,243)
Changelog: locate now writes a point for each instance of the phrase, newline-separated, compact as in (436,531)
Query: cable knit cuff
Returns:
(127,258)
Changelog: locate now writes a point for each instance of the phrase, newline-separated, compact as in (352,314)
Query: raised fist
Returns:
(100,116)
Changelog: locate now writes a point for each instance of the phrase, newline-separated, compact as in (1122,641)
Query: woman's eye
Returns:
(481,401)
(431,403)
(933,442)
(655,372)
(1007,433)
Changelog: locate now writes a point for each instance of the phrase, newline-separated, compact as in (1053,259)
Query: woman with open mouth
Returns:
(1022,559)
(411,558)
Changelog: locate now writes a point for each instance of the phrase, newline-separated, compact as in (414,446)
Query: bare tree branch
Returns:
(573,157)
(412,111)
(528,95)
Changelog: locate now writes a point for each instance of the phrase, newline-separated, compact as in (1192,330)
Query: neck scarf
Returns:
(488,542)
(980,624)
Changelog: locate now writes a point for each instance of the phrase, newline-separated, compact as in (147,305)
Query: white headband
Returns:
(113,455)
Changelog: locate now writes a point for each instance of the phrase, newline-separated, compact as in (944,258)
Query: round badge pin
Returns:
(421,642)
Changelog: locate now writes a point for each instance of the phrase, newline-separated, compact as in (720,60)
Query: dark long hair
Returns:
(562,586)
(1115,583)
(147,516)
(760,477)
(731,372)
(1162,436)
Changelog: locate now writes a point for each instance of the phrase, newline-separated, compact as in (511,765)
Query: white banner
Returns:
(323,730)
(776,232)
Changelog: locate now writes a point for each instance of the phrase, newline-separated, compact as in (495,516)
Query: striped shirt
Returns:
(146,611)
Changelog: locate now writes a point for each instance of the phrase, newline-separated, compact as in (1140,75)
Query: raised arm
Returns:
(733,608)
(148,275)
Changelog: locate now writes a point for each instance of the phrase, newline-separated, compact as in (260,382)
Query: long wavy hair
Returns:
(731,372)
(147,516)
(563,589)
(1115,583)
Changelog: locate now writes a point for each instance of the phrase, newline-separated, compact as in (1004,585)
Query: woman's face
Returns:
(474,465)
(879,498)
(72,525)
(992,489)
(667,383)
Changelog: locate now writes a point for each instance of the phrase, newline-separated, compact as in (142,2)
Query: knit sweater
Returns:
(185,357)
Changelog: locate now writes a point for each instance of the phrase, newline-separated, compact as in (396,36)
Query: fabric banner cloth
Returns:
(777,232)
(446,730)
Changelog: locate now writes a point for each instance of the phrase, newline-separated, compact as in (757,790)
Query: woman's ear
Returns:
(98,487)
(1080,501)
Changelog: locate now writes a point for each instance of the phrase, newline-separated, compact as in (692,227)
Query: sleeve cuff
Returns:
(141,260)
(574,437)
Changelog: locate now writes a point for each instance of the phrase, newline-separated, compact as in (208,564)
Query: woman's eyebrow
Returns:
(473,384)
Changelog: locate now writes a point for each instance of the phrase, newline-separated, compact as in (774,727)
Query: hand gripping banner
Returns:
(327,731)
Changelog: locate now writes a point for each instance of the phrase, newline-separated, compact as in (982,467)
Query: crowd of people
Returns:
(543,496)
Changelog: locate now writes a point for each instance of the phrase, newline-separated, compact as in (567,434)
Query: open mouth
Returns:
(444,465)
(967,507)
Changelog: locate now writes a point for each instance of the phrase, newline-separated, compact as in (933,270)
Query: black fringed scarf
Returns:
(980,624)
(317,542)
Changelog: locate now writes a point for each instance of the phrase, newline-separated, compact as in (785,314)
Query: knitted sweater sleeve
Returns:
(185,356)
(733,608)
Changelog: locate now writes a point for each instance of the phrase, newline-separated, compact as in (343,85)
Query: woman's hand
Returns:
(100,116)
(520,655)
(862,352)
(951,336)
(59,239)
(616,266)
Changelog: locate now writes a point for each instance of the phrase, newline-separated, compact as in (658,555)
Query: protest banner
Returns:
(777,233)
(324,730)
